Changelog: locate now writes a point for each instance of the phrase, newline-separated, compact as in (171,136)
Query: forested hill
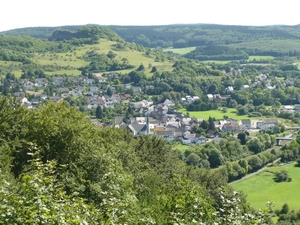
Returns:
(179,36)
(38,32)
(87,31)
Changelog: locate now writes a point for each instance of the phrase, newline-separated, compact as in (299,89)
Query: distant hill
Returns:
(187,35)
(276,41)
(87,31)
(37,32)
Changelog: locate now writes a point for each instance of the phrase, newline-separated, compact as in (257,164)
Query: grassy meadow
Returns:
(180,51)
(260,57)
(217,114)
(261,188)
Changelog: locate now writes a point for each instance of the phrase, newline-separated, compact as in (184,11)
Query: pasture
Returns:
(261,188)
(217,114)
(180,51)
(260,57)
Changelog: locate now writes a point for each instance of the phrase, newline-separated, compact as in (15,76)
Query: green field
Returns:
(217,61)
(217,114)
(180,51)
(261,188)
(260,57)
(180,147)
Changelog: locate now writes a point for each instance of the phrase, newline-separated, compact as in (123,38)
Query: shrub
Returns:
(282,176)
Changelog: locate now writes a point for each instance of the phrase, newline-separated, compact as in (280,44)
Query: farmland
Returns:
(218,114)
(261,188)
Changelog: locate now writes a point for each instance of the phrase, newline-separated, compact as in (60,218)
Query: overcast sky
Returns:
(32,13)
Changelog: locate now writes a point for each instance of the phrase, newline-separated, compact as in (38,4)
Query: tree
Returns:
(40,199)
(243,138)
(109,92)
(141,67)
(211,124)
(99,112)
(254,163)
(255,145)
(153,70)
(285,209)
(193,159)
(111,55)
(282,176)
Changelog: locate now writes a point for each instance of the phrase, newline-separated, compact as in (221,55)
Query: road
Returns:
(258,171)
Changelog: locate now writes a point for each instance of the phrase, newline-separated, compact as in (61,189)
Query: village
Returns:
(156,119)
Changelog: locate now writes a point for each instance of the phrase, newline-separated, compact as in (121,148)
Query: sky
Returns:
(34,13)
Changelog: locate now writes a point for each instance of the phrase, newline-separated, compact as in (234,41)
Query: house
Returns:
(297,107)
(113,76)
(137,89)
(231,127)
(88,81)
(271,121)
(41,82)
(287,108)
(42,96)
(189,99)
(136,128)
(168,135)
(35,101)
(268,127)
(168,103)
(79,89)
(28,85)
(119,121)
(182,100)
(217,98)
(19,94)
(94,89)
(229,89)
(58,81)
(246,123)
(63,90)
(127,86)
(246,86)
(196,98)
(100,78)
(210,97)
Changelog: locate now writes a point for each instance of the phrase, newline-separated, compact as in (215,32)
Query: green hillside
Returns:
(262,188)
(69,52)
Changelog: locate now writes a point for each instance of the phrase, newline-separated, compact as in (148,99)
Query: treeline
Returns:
(31,45)
(65,170)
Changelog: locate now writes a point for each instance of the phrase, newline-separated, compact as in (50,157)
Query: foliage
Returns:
(40,199)
(282,176)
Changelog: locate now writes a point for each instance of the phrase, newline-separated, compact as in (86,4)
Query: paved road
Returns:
(258,171)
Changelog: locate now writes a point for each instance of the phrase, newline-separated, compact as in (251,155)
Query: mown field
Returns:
(218,114)
(180,51)
(260,57)
(261,188)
